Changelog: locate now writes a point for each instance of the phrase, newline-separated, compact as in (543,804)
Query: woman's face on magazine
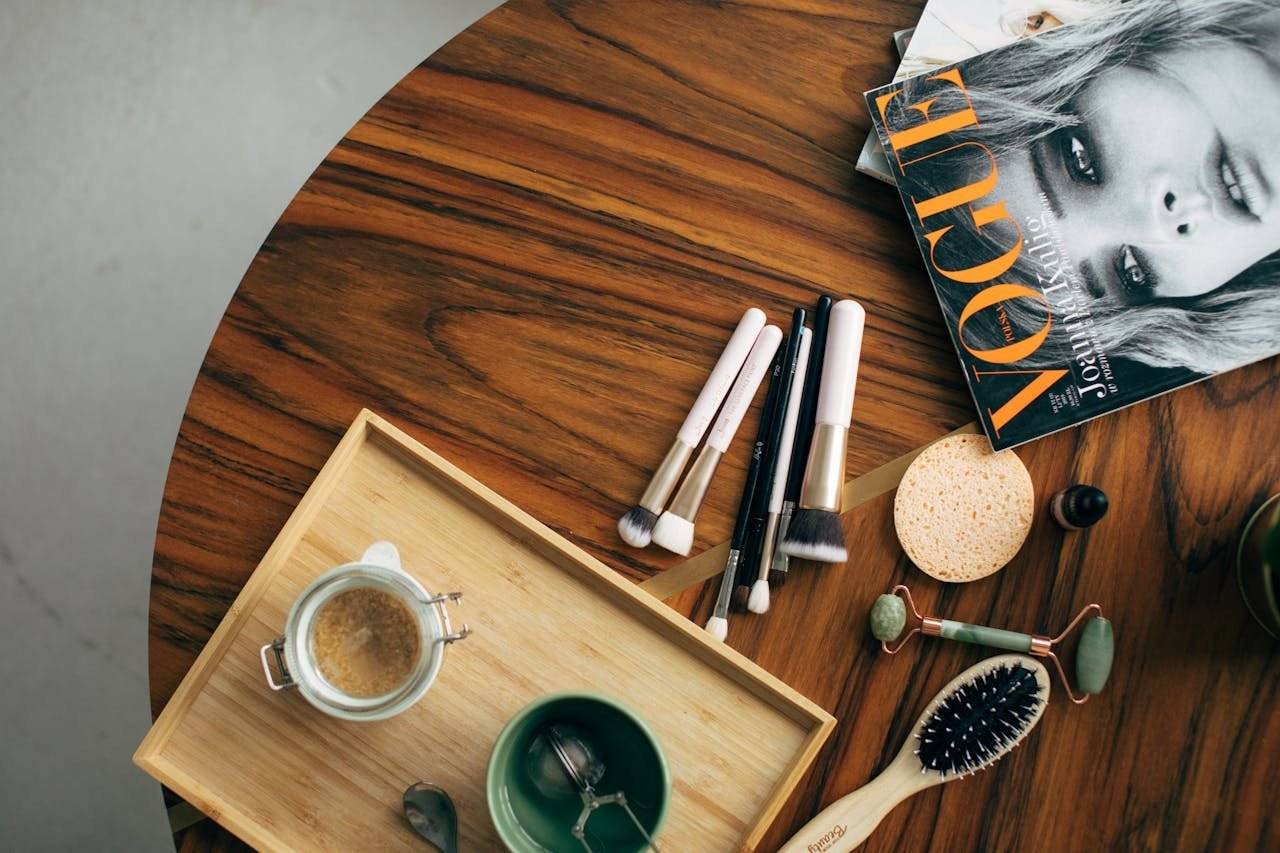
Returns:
(1170,185)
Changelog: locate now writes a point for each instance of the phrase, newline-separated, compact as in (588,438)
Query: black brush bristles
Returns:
(980,720)
(816,534)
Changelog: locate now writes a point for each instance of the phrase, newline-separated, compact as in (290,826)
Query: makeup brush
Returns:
(674,530)
(759,536)
(758,601)
(718,624)
(758,505)
(804,433)
(636,526)
(815,532)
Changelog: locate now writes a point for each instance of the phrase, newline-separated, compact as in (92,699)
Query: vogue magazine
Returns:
(952,30)
(1098,207)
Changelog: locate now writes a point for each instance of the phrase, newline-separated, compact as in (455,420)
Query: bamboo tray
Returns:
(546,615)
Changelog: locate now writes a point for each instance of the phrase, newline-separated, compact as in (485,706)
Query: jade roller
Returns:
(1093,657)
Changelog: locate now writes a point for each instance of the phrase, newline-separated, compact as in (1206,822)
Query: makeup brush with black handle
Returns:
(779,561)
(718,624)
(756,508)
(758,598)
(764,524)
(815,532)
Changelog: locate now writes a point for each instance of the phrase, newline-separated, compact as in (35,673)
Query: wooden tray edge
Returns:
(728,661)
(366,425)
(185,786)
(149,750)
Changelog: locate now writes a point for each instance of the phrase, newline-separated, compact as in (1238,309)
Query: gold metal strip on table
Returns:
(856,492)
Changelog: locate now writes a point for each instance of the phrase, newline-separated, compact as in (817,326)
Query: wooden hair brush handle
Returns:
(847,822)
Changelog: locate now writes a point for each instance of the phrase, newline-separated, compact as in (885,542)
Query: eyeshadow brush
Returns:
(763,526)
(779,561)
(718,624)
(758,601)
(755,518)
(815,532)
(674,530)
(636,526)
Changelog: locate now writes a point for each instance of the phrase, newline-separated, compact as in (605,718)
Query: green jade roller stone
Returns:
(1094,655)
(981,635)
(888,618)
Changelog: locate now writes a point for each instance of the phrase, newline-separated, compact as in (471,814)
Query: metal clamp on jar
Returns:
(295,651)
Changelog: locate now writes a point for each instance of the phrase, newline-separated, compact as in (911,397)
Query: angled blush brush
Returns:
(636,526)
(815,532)
(758,601)
(804,433)
(674,530)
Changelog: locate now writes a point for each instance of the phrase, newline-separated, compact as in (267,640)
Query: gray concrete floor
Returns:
(146,148)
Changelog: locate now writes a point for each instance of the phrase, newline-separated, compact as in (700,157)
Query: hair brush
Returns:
(974,721)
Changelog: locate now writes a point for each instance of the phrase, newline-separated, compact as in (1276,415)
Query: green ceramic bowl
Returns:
(528,822)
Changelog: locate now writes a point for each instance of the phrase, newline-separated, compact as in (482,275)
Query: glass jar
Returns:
(294,651)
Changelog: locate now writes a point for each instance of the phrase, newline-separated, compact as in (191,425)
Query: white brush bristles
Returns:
(636,527)
(718,627)
(758,600)
(673,533)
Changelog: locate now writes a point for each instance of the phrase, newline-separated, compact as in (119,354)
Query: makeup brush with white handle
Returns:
(758,601)
(815,532)
(674,530)
(636,527)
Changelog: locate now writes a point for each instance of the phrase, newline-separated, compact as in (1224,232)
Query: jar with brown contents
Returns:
(365,642)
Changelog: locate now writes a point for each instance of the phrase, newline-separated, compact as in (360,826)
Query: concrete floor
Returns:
(146,148)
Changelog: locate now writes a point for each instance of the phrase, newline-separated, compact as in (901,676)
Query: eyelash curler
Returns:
(1093,658)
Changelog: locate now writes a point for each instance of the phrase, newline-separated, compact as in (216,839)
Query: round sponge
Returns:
(962,511)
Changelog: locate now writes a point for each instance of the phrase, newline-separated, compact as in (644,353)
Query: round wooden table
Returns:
(528,253)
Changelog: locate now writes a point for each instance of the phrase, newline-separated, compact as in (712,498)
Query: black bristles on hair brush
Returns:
(974,721)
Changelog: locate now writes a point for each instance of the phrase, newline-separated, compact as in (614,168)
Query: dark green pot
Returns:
(528,822)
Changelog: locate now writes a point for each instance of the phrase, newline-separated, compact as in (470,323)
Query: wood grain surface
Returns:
(529,252)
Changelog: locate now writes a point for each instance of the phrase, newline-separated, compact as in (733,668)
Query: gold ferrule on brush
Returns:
(769,539)
(824,475)
(780,561)
(694,487)
(666,477)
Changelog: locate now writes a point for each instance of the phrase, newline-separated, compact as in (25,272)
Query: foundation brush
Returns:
(779,562)
(758,600)
(815,532)
(636,527)
(674,530)
(972,723)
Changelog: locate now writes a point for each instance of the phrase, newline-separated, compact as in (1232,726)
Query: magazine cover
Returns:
(952,30)
(1097,207)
